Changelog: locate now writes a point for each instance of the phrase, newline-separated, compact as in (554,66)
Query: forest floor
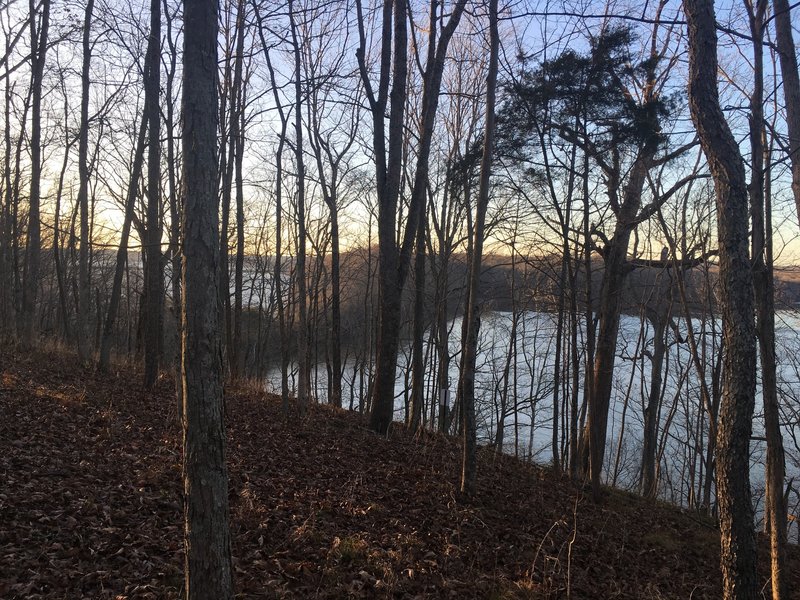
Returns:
(90,506)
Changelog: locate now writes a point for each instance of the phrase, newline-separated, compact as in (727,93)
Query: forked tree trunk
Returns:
(394,260)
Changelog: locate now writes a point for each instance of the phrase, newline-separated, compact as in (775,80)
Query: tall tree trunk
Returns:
(303,350)
(34,245)
(394,261)
(418,347)
(470,458)
(775,512)
(791,89)
(738,549)
(238,354)
(175,209)
(614,273)
(83,193)
(336,310)
(277,271)
(207,535)
(104,360)
(154,276)
(235,351)
(652,412)
(6,241)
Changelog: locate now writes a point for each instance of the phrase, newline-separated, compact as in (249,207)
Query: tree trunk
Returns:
(175,210)
(83,193)
(34,245)
(303,350)
(154,277)
(277,271)
(791,89)
(207,536)
(652,412)
(775,509)
(418,358)
(235,351)
(394,261)
(470,458)
(122,253)
(738,549)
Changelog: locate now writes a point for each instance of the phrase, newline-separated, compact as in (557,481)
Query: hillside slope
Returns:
(90,507)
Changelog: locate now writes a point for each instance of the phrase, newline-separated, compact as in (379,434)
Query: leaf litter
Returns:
(91,506)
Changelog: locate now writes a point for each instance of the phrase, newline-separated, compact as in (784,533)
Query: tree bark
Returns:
(303,350)
(207,536)
(418,358)
(104,359)
(154,275)
(652,412)
(470,458)
(394,260)
(764,288)
(791,89)
(738,550)
(83,193)
(34,245)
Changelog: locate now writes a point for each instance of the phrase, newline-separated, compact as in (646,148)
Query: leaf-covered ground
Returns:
(90,507)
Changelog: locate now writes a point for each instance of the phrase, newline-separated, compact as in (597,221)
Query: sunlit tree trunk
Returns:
(775,510)
(738,550)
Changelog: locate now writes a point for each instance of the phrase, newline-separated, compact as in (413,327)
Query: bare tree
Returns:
(765,309)
(472,316)
(791,89)
(738,549)
(33,248)
(394,259)
(84,290)
(154,274)
(207,535)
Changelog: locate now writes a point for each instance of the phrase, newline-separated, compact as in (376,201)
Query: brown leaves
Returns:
(90,507)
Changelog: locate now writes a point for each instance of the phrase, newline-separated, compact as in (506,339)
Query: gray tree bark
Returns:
(208,556)
(764,288)
(737,535)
